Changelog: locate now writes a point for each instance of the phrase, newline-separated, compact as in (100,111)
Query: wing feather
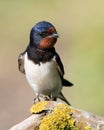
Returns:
(21,62)
(61,71)
(59,65)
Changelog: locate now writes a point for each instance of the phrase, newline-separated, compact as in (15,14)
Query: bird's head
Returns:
(43,35)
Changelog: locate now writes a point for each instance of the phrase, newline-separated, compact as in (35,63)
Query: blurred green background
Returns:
(80,25)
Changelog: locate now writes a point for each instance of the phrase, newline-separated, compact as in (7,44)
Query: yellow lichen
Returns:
(38,107)
(60,119)
(87,128)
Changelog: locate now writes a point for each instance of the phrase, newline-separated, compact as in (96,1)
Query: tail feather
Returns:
(61,96)
(66,83)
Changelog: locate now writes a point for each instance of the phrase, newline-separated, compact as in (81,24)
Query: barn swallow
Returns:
(41,63)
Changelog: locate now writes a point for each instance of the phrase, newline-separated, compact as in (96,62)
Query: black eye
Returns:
(43,34)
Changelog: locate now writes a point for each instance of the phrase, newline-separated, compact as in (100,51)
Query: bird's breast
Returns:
(43,78)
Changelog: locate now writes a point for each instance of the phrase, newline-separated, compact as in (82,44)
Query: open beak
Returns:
(54,35)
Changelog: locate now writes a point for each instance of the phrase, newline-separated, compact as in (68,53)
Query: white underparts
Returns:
(43,78)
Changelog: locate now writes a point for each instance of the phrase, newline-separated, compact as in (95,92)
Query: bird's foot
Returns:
(52,97)
(36,99)
(41,97)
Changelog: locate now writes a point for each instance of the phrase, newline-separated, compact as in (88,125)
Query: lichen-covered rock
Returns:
(51,115)
(59,118)
(38,107)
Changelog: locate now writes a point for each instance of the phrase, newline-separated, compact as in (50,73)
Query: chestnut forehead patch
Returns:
(51,30)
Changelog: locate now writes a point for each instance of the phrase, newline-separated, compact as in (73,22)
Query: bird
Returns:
(42,65)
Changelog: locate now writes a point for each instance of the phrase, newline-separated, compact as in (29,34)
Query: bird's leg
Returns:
(41,97)
(52,97)
(46,98)
(36,99)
